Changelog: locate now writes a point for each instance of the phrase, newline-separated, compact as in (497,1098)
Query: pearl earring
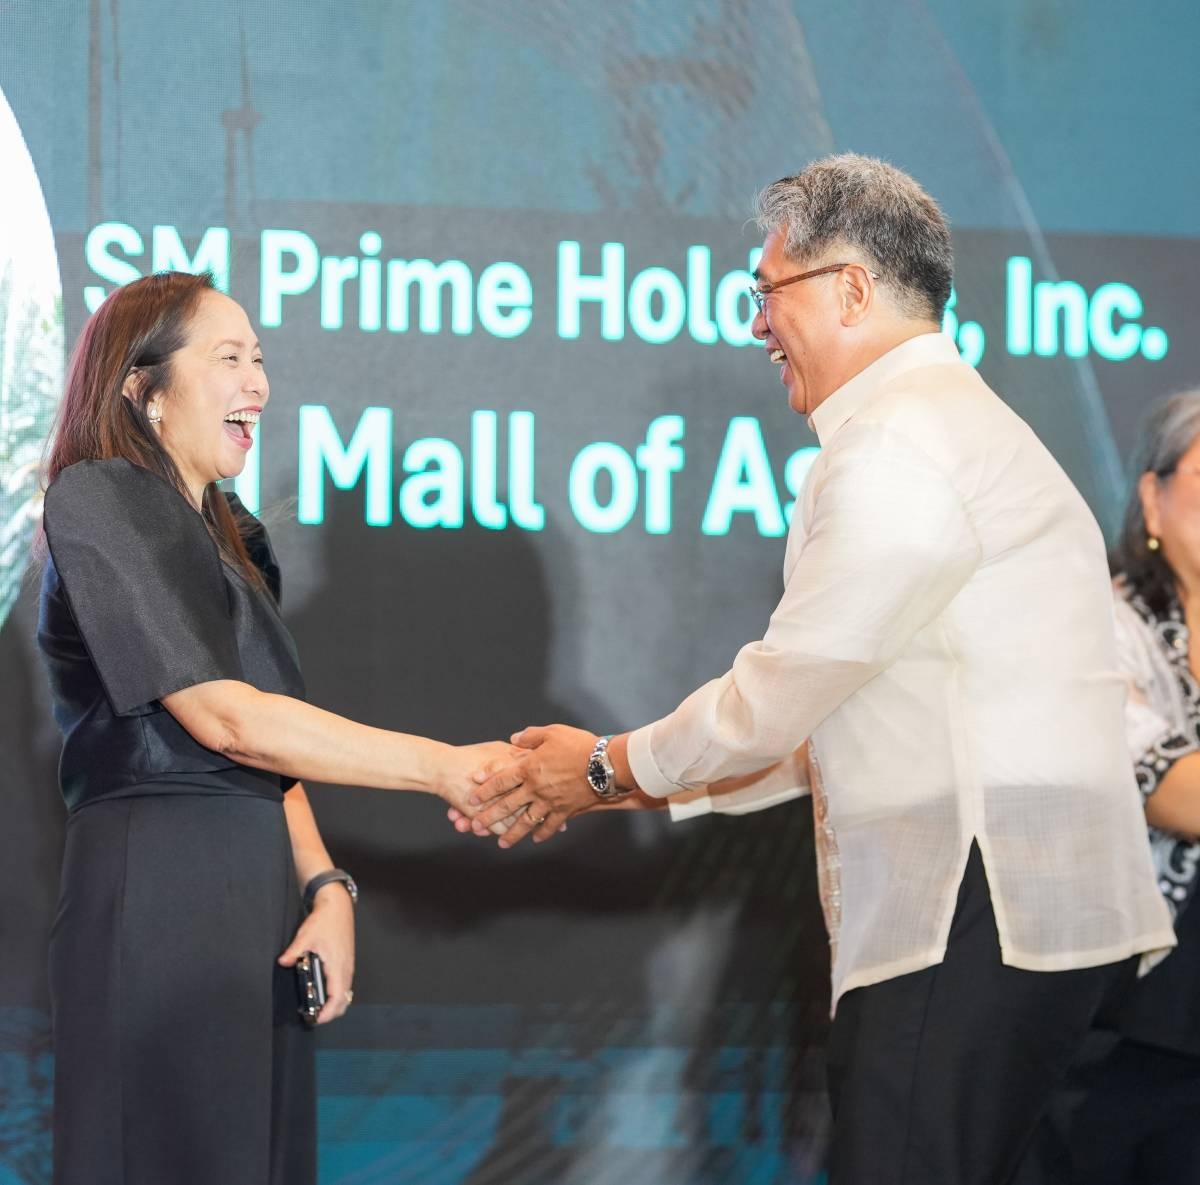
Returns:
(1151,543)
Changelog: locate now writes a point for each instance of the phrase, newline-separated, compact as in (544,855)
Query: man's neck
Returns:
(870,348)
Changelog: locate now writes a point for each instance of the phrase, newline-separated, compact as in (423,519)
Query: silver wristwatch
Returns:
(600,773)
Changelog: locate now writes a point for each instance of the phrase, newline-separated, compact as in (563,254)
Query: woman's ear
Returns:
(134,385)
(1148,489)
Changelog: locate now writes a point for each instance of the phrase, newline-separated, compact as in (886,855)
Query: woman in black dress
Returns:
(180,1055)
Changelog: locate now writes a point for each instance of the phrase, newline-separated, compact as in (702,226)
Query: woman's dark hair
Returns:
(1169,429)
(138,328)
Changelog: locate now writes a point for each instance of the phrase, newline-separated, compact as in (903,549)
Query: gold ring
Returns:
(537,822)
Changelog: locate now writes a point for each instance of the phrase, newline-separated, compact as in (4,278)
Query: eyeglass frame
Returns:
(762,289)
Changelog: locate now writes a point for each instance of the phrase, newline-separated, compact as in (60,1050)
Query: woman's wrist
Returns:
(335,879)
(423,764)
(332,895)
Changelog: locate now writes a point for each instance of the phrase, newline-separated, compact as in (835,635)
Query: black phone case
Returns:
(310,986)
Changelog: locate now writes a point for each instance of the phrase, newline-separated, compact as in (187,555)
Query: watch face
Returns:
(597,776)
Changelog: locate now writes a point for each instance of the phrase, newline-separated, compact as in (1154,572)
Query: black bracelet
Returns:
(322,879)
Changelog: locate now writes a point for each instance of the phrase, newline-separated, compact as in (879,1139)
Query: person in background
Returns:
(1137,1122)
(191,849)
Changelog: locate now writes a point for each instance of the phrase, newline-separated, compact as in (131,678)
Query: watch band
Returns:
(322,879)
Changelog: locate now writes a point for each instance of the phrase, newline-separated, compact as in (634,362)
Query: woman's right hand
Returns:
(455,783)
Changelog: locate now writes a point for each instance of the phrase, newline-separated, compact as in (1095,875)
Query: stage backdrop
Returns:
(523,462)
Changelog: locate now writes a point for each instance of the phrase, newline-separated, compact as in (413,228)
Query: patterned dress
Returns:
(1164,724)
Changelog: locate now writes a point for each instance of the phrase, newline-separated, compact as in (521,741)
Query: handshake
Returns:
(535,784)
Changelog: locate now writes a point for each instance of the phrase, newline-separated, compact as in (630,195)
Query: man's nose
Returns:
(758,326)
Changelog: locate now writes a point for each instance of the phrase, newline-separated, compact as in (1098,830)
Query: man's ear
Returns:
(856,292)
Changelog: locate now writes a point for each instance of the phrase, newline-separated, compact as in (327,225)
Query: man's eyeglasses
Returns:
(766,287)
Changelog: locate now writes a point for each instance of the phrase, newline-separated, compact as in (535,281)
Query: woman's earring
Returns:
(154,415)
(1151,540)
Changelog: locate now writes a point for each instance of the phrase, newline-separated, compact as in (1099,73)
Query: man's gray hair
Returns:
(875,209)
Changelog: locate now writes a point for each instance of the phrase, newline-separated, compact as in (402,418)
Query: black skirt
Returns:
(179,1054)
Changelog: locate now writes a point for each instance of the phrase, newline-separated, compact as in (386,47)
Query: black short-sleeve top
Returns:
(136,603)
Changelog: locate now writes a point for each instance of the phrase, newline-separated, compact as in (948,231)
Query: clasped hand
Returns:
(532,793)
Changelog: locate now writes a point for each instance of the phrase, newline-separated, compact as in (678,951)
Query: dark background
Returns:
(636,1001)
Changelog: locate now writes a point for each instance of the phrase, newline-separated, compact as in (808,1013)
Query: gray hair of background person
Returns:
(1168,430)
(871,206)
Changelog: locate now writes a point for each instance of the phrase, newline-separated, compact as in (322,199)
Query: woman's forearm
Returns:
(289,736)
(328,928)
(309,853)
(1175,804)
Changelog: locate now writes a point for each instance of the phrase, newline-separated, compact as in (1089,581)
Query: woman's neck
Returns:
(1187,588)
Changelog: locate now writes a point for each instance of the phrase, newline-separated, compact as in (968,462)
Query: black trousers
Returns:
(1126,1116)
(939,1077)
